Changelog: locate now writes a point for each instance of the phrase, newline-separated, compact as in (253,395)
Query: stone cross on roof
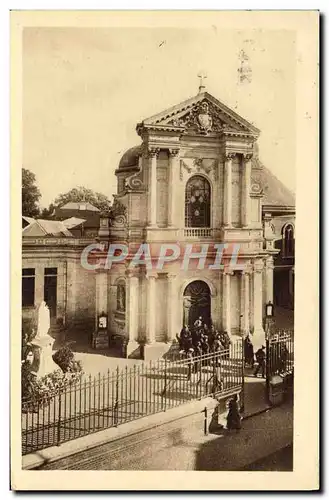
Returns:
(202,76)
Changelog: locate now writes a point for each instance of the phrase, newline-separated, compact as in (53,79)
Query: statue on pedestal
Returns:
(43,359)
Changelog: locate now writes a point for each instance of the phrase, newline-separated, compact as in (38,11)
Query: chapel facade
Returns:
(195,179)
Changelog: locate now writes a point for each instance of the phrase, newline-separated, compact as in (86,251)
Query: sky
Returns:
(85,89)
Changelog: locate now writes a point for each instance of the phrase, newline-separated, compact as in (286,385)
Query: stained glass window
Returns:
(197,202)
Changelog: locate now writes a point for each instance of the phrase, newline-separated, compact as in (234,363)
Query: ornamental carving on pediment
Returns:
(197,165)
(203,118)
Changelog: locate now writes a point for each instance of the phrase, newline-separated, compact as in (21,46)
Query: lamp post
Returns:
(269,318)
(269,313)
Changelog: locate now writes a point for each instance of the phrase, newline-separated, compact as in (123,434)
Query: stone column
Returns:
(152,187)
(269,279)
(246,300)
(172,304)
(245,205)
(150,311)
(259,334)
(132,291)
(227,301)
(228,189)
(172,181)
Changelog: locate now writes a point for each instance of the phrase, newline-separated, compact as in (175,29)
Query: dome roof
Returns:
(130,157)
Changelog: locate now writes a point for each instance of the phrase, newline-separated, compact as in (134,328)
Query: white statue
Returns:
(44,342)
(43,320)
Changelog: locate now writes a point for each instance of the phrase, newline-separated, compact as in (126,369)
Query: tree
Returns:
(47,213)
(82,194)
(30,194)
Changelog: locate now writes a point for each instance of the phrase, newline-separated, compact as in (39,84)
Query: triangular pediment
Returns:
(201,114)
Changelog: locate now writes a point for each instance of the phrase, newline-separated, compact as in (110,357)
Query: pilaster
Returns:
(259,334)
(228,189)
(173,179)
(151,312)
(246,301)
(153,154)
(172,307)
(245,205)
(227,301)
(132,310)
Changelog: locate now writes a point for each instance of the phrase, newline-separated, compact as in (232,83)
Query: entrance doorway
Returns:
(197,302)
(50,290)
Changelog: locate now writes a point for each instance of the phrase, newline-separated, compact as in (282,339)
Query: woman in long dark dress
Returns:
(233,416)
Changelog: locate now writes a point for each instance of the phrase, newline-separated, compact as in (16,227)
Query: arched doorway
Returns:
(197,302)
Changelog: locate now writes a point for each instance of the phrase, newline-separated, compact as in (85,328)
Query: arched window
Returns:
(197,202)
(121,296)
(288,241)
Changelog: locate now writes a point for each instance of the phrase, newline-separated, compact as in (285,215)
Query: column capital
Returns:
(247,156)
(173,152)
(132,273)
(153,152)
(258,266)
(171,276)
(150,276)
(229,155)
(226,272)
(101,271)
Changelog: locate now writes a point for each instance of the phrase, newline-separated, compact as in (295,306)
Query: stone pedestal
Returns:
(43,356)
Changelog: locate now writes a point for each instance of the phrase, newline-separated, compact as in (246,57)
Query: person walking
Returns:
(260,358)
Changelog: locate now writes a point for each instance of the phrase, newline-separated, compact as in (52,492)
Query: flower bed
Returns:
(38,392)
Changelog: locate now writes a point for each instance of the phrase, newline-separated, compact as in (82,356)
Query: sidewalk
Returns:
(255,396)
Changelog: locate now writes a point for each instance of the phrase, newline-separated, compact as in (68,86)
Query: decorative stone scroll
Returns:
(118,214)
(134,181)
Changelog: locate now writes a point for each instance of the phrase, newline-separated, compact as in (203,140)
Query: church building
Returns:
(194,187)
(196,178)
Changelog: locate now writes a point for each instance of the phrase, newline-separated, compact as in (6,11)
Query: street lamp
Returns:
(269,310)
(269,313)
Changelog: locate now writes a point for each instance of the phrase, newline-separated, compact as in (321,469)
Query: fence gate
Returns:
(279,356)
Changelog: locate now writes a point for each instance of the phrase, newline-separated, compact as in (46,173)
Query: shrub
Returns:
(64,358)
(38,392)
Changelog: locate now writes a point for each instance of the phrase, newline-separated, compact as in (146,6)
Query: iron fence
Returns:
(280,354)
(114,398)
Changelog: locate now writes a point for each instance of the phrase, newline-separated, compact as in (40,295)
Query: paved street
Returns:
(260,436)
(281,461)
(258,444)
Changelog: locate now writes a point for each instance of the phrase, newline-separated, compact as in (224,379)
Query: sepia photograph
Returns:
(156,296)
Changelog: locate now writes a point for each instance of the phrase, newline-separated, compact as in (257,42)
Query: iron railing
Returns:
(280,353)
(114,398)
